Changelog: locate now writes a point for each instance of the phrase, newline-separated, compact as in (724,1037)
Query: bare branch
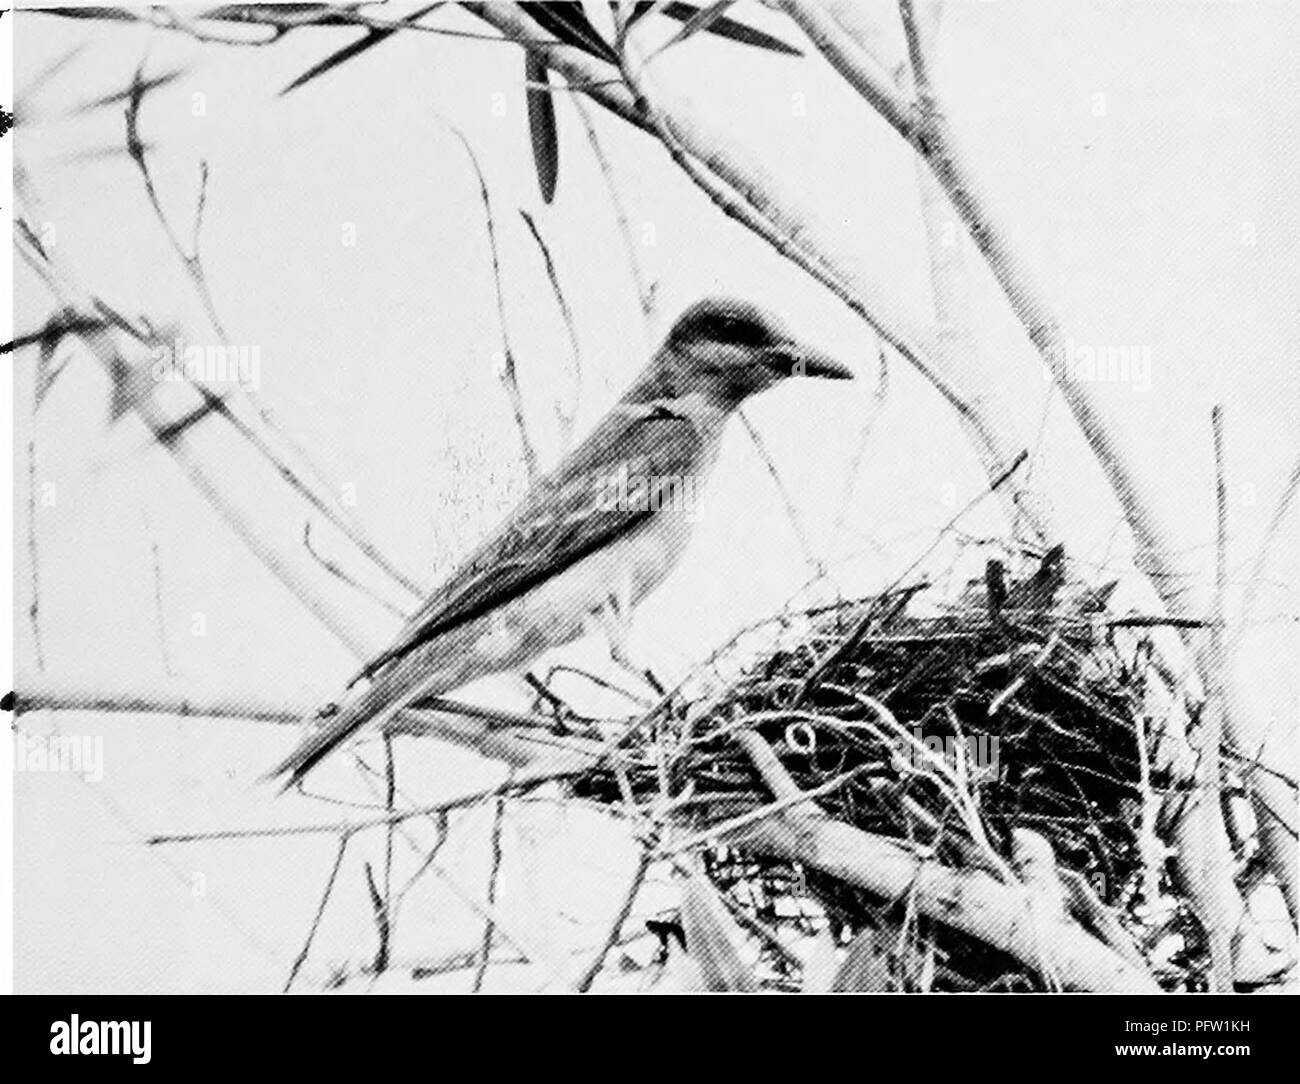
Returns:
(334,570)
(1256,577)
(509,375)
(33,553)
(616,927)
(494,876)
(301,959)
(567,415)
(645,291)
(1210,774)
(878,400)
(160,614)
(815,564)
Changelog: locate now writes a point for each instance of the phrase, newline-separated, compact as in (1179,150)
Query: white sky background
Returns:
(378,357)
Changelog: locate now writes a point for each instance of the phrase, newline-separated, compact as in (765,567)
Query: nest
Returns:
(951,730)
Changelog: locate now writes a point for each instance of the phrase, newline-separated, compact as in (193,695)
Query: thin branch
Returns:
(320,911)
(339,574)
(1258,566)
(33,553)
(917,50)
(385,917)
(783,802)
(1148,843)
(441,821)
(494,876)
(160,614)
(645,291)
(596,680)
(383,927)
(816,565)
(509,375)
(190,258)
(1211,772)
(485,909)
(616,927)
(878,400)
(282,20)
(567,415)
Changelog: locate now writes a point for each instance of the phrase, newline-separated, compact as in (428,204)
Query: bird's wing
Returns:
(564,517)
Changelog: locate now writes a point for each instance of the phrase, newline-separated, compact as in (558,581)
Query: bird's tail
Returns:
(376,705)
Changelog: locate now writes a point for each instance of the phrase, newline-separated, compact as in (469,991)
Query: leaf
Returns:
(701,20)
(369,40)
(568,23)
(116,14)
(713,938)
(641,10)
(280,14)
(727,28)
(541,125)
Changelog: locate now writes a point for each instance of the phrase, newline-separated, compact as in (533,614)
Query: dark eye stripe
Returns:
(732,329)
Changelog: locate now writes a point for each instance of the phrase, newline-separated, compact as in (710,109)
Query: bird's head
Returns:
(727,350)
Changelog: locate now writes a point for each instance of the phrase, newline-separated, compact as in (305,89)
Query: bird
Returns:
(590,538)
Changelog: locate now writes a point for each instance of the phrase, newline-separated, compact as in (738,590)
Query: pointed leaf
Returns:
(728,28)
(541,125)
(568,23)
(280,14)
(701,20)
(369,40)
(116,14)
(641,9)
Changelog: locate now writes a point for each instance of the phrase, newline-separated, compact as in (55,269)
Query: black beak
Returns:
(791,358)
